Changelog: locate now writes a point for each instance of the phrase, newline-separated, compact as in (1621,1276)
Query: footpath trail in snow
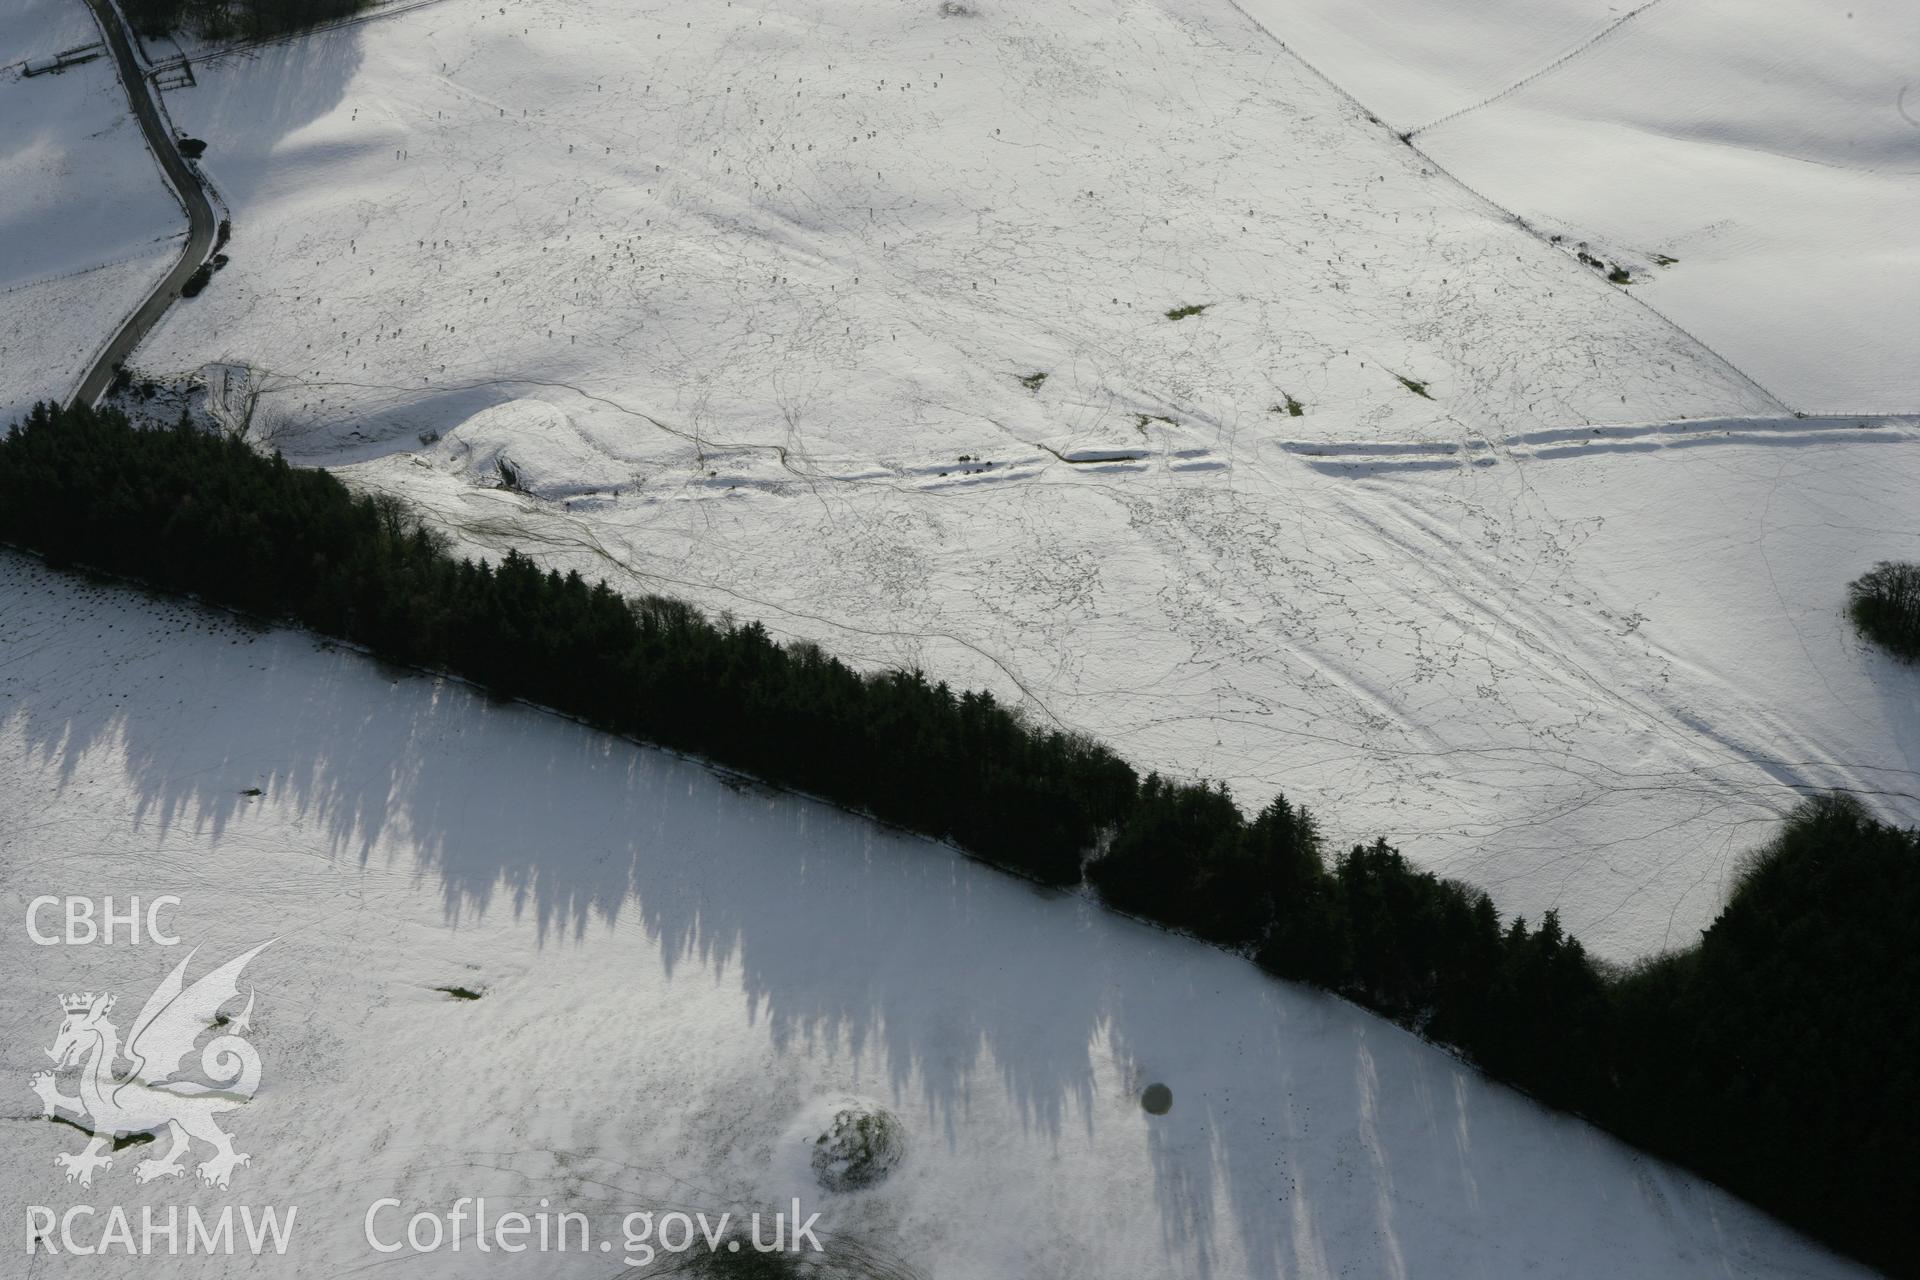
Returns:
(678,977)
(752,304)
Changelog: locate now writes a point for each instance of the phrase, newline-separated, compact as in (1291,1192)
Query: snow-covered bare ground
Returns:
(859,225)
(751,302)
(1773,150)
(1583,668)
(87,225)
(679,976)
(50,331)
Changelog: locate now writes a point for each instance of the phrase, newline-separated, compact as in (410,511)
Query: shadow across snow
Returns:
(250,105)
(1305,1136)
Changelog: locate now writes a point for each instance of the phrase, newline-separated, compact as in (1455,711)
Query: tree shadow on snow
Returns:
(249,106)
(845,936)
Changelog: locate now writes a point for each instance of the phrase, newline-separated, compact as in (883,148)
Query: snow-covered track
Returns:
(1370,457)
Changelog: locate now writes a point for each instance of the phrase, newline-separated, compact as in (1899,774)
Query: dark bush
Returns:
(1884,603)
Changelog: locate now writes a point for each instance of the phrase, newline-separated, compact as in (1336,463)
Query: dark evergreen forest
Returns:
(1777,1055)
(234,19)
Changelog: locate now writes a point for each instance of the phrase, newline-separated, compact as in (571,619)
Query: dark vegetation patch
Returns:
(1033,381)
(736,1259)
(460,993)
(235,19)
(1289,406)
(1777,1054)
(1614,272)
(860,1148)
(197,281)
(119,1144)
(841,1257)
(1884,603)
(1191,309)
(1414,385)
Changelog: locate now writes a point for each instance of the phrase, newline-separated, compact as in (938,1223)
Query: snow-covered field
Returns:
(86,308)
(87,225)
(1772,149)
(750,300)
(854,227)
(679,977)
(1583,670)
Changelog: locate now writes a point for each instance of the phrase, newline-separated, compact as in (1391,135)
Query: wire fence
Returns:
(1555,65)
(1509,215)
(36,282)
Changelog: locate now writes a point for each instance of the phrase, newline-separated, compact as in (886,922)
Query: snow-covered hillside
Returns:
(752,304)
(87,226)
(855,227)
(679,976)
(1773,150)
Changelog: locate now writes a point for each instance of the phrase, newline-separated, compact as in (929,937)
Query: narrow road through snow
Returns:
(201,224)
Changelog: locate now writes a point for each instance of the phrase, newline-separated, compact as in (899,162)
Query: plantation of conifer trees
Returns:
(1777,1055)
(234,19)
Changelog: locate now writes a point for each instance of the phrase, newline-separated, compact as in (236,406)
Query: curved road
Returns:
(201,223)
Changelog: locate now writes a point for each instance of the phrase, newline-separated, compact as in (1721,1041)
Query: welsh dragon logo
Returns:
(149,1095)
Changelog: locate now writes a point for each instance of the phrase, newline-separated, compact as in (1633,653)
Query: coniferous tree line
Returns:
(1777,1055)
(234,19)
